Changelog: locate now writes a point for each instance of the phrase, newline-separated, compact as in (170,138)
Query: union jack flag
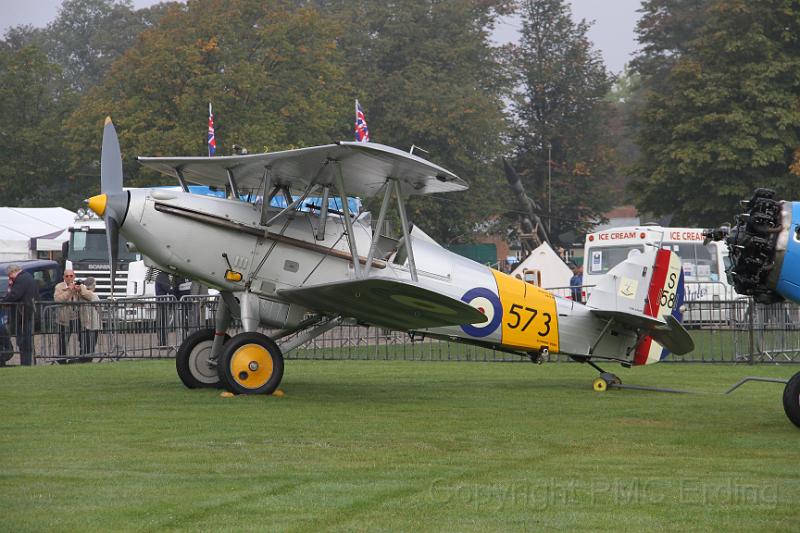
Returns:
(212,141)
(362,132)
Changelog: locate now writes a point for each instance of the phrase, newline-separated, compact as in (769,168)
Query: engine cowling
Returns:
(763,245)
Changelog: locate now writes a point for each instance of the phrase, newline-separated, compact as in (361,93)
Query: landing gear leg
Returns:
(540,356)
(223,321)
(196,361)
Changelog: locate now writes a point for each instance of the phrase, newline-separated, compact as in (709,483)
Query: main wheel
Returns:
(791,399)
(251,363)
(193,361)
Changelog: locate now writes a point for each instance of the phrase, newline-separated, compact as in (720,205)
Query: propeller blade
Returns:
(110,160)
(113,205)
(112,239)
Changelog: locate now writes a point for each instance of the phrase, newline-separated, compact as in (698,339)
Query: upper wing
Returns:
(385,302)
(365,168)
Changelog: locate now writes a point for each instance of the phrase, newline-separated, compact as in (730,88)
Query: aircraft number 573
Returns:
(522,322)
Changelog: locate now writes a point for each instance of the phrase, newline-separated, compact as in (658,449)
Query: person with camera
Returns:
(68,292)
(91,323)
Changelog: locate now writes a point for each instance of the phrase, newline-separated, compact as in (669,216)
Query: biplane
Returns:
(305,268)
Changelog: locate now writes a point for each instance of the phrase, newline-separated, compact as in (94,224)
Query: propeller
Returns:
(112,202)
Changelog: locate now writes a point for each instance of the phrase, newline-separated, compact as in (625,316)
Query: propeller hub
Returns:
(98,203)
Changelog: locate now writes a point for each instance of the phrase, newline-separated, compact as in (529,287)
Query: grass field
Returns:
(371,445)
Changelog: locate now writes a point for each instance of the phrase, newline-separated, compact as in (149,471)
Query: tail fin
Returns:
(646,292)
(664,298)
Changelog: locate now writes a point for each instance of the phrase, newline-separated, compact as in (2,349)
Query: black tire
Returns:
(251,363)
(791,399)
(191,362)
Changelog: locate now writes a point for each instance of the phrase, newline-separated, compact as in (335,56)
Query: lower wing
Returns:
(385,302)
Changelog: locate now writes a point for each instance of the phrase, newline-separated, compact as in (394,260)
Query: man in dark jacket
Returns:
(23,290)
(576,283)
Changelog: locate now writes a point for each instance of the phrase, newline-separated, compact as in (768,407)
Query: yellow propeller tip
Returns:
(108,121)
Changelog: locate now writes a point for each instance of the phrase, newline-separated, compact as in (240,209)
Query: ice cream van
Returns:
(703,264)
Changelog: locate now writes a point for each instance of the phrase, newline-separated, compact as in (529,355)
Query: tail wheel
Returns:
(193,361)
(791,399)
(251,363)
(599,385)
(604,381)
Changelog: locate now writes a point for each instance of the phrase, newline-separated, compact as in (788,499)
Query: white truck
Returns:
(87,255)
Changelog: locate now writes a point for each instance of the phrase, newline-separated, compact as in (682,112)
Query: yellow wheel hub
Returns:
(599,385)
(251,366)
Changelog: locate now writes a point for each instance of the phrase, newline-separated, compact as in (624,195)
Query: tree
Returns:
(89,35)
(560,115)
(730,119)
(272,71)
(428,75)
(623,100)
(32,104)
(18,37)
(42,72)
(665,30)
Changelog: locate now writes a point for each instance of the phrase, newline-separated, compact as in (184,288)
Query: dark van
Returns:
(46,273)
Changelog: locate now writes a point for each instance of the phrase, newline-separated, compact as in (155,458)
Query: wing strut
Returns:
(292,204)
(351,238)
(287,194)
(275,190)
(181,180)
(232,184)
(401,207)
(265,196)
(323,213)
(387,193)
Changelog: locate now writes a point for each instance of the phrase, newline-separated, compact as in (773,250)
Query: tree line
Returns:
(707,111)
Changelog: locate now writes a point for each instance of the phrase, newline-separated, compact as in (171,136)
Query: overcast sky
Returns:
(612,32)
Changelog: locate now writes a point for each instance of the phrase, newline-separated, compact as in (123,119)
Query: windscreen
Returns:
(601,259)
(91,246)
(699,261)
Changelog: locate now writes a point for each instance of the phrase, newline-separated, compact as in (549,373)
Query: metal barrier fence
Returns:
(723,331)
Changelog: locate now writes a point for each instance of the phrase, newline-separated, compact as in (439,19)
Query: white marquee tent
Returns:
(24,231)
(548,268)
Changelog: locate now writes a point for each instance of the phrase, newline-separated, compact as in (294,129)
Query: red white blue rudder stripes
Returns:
(665,296)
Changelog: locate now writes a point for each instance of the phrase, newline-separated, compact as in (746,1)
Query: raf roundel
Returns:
(487,303)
